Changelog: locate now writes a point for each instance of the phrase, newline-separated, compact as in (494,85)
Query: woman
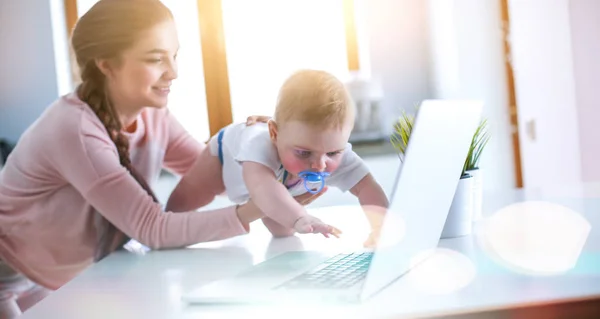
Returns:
(75,187)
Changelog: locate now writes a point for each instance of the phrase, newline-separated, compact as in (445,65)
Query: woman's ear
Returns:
(104,66)
(272,130)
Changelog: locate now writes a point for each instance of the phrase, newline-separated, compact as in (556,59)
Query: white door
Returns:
(540,35)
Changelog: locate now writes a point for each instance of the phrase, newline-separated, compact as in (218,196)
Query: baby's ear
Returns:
(272,130)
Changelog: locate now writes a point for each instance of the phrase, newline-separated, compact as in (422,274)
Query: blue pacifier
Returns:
(313,177)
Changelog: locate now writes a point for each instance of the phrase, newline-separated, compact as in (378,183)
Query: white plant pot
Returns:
(460,216)
(477,192)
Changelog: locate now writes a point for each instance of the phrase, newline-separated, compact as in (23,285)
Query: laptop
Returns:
(419,204)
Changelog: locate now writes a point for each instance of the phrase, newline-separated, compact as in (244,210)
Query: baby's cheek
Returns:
(292,164)
(333,164)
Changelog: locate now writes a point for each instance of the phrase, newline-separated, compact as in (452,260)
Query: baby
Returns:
(303,148)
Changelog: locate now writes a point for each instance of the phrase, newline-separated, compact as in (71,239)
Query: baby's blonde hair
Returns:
(316,98)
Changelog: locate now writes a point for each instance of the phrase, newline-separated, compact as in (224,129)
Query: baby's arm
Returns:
(374,202)
(369,192)
(270,195)
(273,199)
(276,229)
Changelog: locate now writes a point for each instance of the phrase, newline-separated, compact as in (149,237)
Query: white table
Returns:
(462,278)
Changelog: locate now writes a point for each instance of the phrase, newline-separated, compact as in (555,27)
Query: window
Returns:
(267,40)
(83,6)
(187,100)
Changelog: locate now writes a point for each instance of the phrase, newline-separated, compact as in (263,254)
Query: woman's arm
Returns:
(199,186)
(90,163)
(182,149)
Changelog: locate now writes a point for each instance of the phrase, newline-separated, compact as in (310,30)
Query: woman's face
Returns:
(142,77)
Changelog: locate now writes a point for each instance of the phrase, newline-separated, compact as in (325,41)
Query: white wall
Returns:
(28,76)
(467,62)
(545,90)
(397,53)
(585,30)
(64,75)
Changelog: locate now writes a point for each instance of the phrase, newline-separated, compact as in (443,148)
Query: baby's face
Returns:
(302,147)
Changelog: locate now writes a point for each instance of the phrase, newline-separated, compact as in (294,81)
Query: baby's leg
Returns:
(200,184)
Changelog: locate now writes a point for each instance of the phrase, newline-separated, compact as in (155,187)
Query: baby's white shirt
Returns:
(252,143)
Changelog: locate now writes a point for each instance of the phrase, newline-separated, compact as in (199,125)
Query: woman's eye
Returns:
(154,60)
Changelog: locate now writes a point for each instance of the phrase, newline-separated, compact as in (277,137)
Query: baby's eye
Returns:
(332,154)
(302,153)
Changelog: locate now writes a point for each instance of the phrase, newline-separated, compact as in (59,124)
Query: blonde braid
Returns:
(110,237)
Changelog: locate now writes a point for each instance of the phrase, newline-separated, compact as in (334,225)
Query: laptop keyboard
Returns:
(340,271)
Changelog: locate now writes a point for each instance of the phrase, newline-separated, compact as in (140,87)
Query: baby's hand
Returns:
(373,239)
(310,224)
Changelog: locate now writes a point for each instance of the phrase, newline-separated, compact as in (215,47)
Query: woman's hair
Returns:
(104,32)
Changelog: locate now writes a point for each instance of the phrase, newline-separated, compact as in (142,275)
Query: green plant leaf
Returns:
(401,134)
(478,144)
(403,128)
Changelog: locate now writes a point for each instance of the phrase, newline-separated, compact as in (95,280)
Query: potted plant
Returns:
(466,205)
(401,134)
(478,144)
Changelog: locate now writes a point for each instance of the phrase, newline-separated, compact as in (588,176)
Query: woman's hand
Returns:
(257,119)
